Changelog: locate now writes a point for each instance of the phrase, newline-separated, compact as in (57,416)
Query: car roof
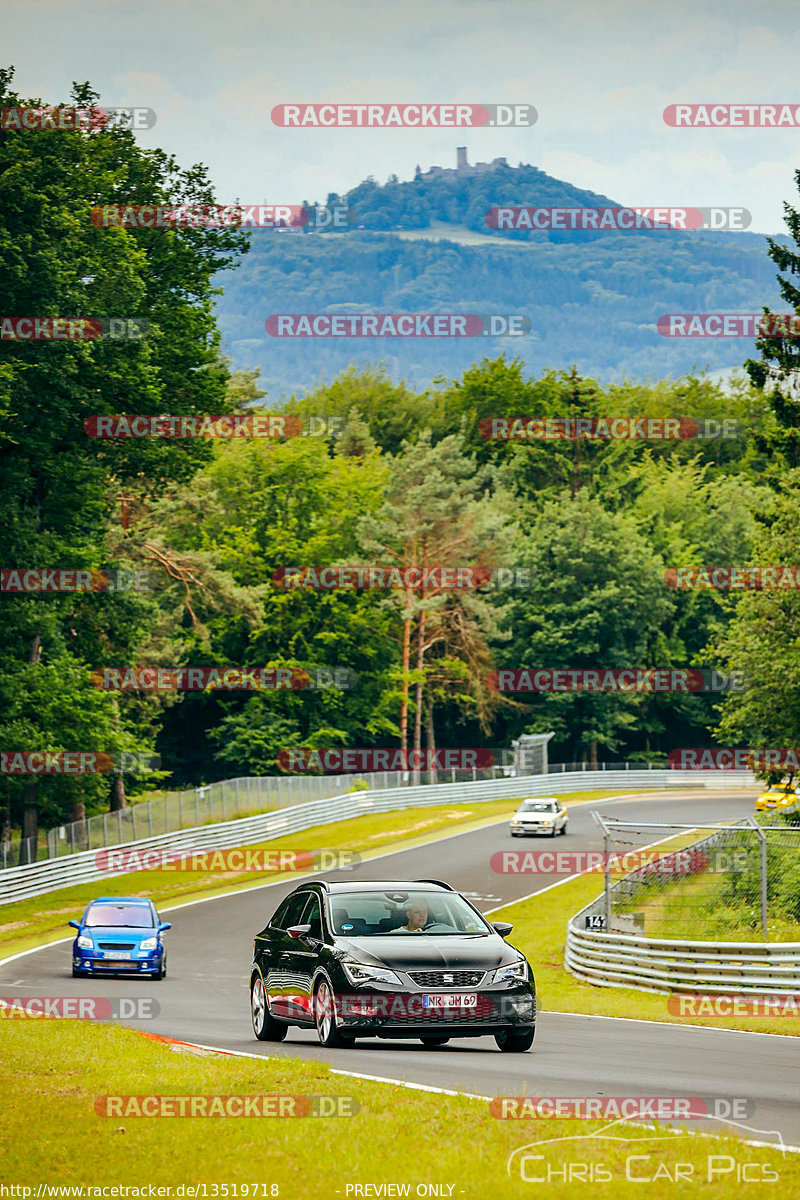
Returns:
(121,900)
(544,799)
(373,885)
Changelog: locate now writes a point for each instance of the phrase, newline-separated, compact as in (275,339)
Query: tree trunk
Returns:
(29,842)
(431,740)
(593,751)
(117,799)
(418,695)
(406,668)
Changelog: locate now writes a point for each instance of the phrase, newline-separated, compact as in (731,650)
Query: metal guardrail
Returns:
(19,883)
(611,959)
(219,801)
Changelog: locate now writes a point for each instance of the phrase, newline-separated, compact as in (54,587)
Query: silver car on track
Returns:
(540,814)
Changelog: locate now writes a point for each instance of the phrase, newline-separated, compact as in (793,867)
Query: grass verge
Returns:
(51,1132)
(540,926)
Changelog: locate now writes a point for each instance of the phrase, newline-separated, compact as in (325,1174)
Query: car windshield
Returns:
(404,912)
(546,806)
(130,916)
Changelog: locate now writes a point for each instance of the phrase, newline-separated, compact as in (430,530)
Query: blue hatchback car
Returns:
(120,934)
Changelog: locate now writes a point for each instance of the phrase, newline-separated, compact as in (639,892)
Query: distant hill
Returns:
(423,246)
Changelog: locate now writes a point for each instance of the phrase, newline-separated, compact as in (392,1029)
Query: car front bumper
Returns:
(90,962)
(404,1014)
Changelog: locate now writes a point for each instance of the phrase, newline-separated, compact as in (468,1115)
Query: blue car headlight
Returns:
(85,943)
(516,972)
(148,943)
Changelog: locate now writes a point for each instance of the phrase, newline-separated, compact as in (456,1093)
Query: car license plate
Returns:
(116,953)
(463,1000)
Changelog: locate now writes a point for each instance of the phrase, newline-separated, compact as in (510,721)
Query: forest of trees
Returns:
(592,304)
(399,475)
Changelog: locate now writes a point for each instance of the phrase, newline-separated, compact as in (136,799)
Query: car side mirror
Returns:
(502,927)
(74,924)
(298,931)
(164,925)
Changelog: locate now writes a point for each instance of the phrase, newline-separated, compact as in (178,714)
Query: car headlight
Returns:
(85,942)
(516,972)
(359,973)
(148,943)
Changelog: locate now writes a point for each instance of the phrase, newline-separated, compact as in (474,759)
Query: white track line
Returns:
(425,1087)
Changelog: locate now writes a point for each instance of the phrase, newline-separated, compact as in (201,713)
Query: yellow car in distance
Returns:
(778,796)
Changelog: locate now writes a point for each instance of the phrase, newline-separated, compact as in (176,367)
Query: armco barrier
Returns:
(609,959)
(20,883)
(661,965)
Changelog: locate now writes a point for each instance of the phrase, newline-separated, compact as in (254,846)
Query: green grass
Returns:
(700,904)
(27,923)
(540,925)
(51,1133)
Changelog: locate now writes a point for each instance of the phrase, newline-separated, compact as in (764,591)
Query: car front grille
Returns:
(447,979)
(484,1014)
(116,945)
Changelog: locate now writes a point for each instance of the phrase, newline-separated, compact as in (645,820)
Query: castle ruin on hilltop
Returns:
(462,167)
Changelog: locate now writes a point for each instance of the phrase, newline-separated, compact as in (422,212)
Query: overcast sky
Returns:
(599,74)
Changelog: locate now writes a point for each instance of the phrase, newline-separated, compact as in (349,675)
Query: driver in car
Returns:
(417,913)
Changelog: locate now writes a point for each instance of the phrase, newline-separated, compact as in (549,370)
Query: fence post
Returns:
(150,817)
(606,876)
(133,819)
(763,856)
(196,806)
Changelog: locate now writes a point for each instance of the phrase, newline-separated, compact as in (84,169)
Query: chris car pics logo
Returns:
(651,1157)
